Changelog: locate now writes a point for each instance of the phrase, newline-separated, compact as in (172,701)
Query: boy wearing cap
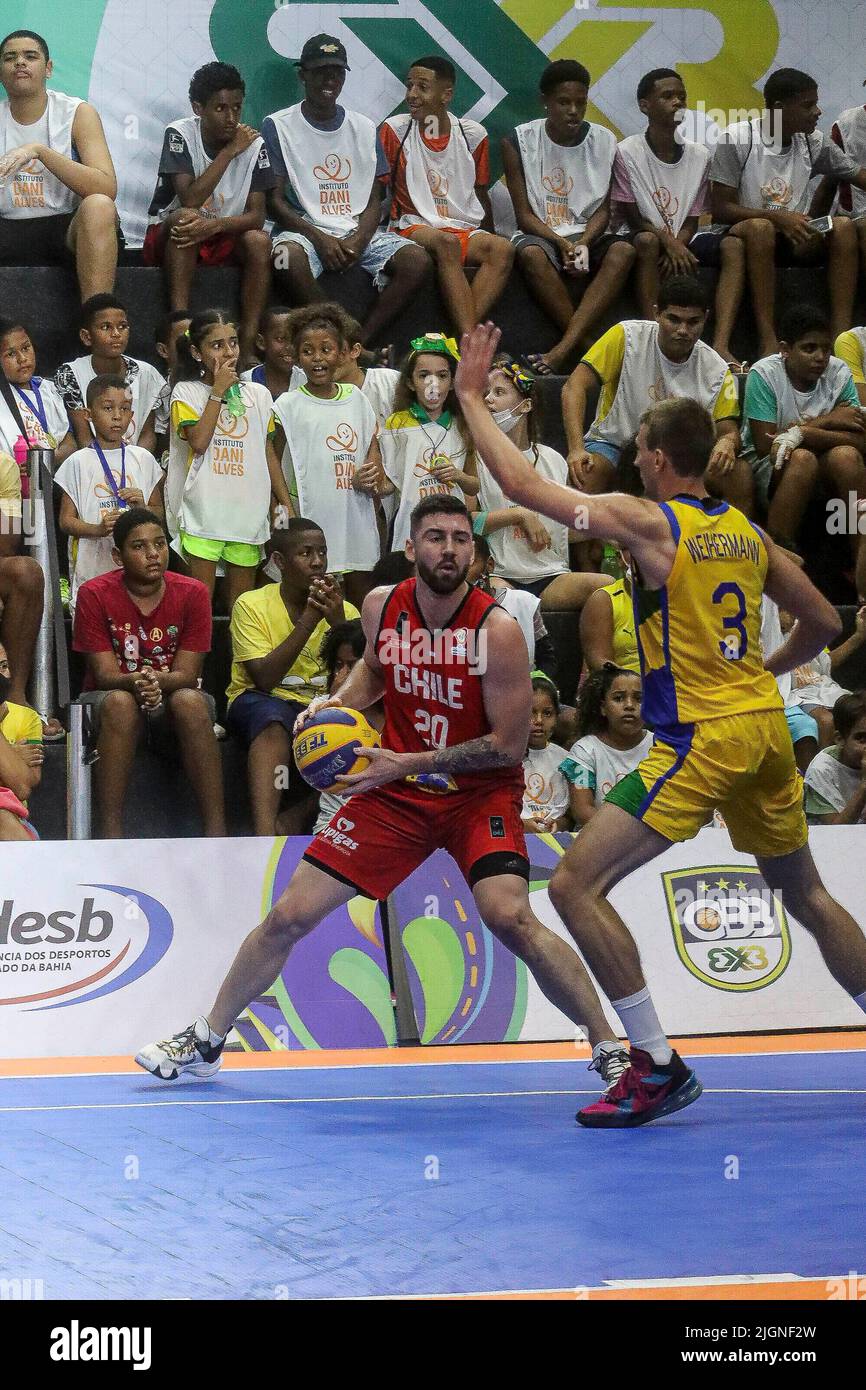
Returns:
(439,175)
(331,173)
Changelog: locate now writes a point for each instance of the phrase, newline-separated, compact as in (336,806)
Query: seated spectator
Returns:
(173,326)
(276,370)
(57,181)
(440,170)
(223,469)
(760,177)
(104,332)
(331,462)
(661,185)
(22,585)
(342,647)
(378,384)
(523,606)
(513,401)
(277,668)
(802,425)
(208,207)
(613,739)
(331,179)
(101,481)
(35,402)
(639,362)
(814,689)
(145,633)
(21,759)
(850,347)
(835,791)
(425,445)
(545,790)
(607,635)
(558,170)
(801,726)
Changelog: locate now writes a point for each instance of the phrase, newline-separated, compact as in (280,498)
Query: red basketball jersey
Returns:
(433,685)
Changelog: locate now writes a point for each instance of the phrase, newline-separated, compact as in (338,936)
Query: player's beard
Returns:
(441,583)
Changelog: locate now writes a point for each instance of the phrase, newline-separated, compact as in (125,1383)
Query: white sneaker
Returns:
(610,1061)
(192,1052)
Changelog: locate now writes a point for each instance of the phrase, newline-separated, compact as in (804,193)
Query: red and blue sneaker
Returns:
(644,1092)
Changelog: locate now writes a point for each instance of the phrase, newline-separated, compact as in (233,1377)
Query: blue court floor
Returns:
(426,1179)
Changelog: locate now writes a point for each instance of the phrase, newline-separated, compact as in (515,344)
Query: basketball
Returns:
(331,744)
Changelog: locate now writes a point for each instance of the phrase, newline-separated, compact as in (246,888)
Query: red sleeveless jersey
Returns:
(433,686)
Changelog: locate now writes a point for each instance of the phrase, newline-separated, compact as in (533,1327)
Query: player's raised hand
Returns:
(477,350)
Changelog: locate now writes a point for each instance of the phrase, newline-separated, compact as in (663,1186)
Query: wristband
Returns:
(218,399)
(479,521)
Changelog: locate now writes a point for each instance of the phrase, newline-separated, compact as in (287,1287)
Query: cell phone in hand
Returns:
(823,225)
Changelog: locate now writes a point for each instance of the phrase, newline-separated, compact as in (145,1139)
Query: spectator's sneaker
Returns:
(610,1062)
(192,1052)
(645,1091)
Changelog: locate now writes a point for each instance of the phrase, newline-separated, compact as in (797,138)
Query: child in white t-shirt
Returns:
(105,333)
(99,482)
(223,471)
(813,688)
(614,739)
(42,412)
(331,459)
(545,790)
(426,448)
(835,791)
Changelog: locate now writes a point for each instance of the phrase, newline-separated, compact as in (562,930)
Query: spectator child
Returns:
(104,332)
(613,741)
(101,481)
(331,458)
(814,689)
(426,448)
(607,631)
(378,384)
(21,759)
(802,424)
(222,470)
(209,204)
(835,792)
(277,368)
(523,606)
(42,412)
(851,347)
(440,170)
(343,646)
(545,793)
(558,170)
(172,326)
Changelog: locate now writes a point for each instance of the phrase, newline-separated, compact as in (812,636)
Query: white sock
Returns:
(639,1019)
(860,1001)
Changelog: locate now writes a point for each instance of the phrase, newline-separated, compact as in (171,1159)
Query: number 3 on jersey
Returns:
(432,728)
(734,646)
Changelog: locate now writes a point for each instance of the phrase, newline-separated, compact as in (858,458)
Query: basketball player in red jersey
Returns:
(452,669)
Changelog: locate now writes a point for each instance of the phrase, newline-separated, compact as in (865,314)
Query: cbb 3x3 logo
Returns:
(729,930)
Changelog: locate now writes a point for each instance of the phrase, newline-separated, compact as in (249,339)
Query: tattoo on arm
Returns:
(477,755)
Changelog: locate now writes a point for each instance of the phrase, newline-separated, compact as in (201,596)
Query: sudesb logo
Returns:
(76,939)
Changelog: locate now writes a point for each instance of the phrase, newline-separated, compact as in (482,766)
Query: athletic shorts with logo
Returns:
(740,764)
(379,837)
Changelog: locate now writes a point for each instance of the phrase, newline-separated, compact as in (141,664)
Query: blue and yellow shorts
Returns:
(742,765)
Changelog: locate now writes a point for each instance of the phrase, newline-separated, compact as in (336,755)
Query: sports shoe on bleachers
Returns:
(193,1052)
(645,1091)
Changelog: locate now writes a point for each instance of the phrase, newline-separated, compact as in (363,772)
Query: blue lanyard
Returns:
(35,406)
(109,476)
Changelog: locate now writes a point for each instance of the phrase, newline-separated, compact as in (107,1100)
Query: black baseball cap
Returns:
(323,51)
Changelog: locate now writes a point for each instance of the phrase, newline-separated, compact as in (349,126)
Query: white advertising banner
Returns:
(106,946)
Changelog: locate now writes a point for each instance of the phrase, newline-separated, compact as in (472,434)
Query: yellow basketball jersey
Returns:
(699,635)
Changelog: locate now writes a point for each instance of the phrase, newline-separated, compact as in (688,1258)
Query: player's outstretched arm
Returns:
(609,516)
(817,623)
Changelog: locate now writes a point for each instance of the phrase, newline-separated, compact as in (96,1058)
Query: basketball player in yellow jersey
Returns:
(699,569)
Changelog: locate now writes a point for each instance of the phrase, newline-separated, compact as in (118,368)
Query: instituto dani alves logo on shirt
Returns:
(227,447)
(333,176)
(439,188)
(557,186)
(343,444)
(667,205)
(777,192)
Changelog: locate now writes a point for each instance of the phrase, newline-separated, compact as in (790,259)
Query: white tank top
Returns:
(566,184)
(512,556)
(545,790)
(523,608)
(331,171)
(380,388)
(223,494)
(648,377)
(408,452)
(664,193)
(774,180)
(852,128)
(229,198)
(34,192)
(326,441)
(441,183)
